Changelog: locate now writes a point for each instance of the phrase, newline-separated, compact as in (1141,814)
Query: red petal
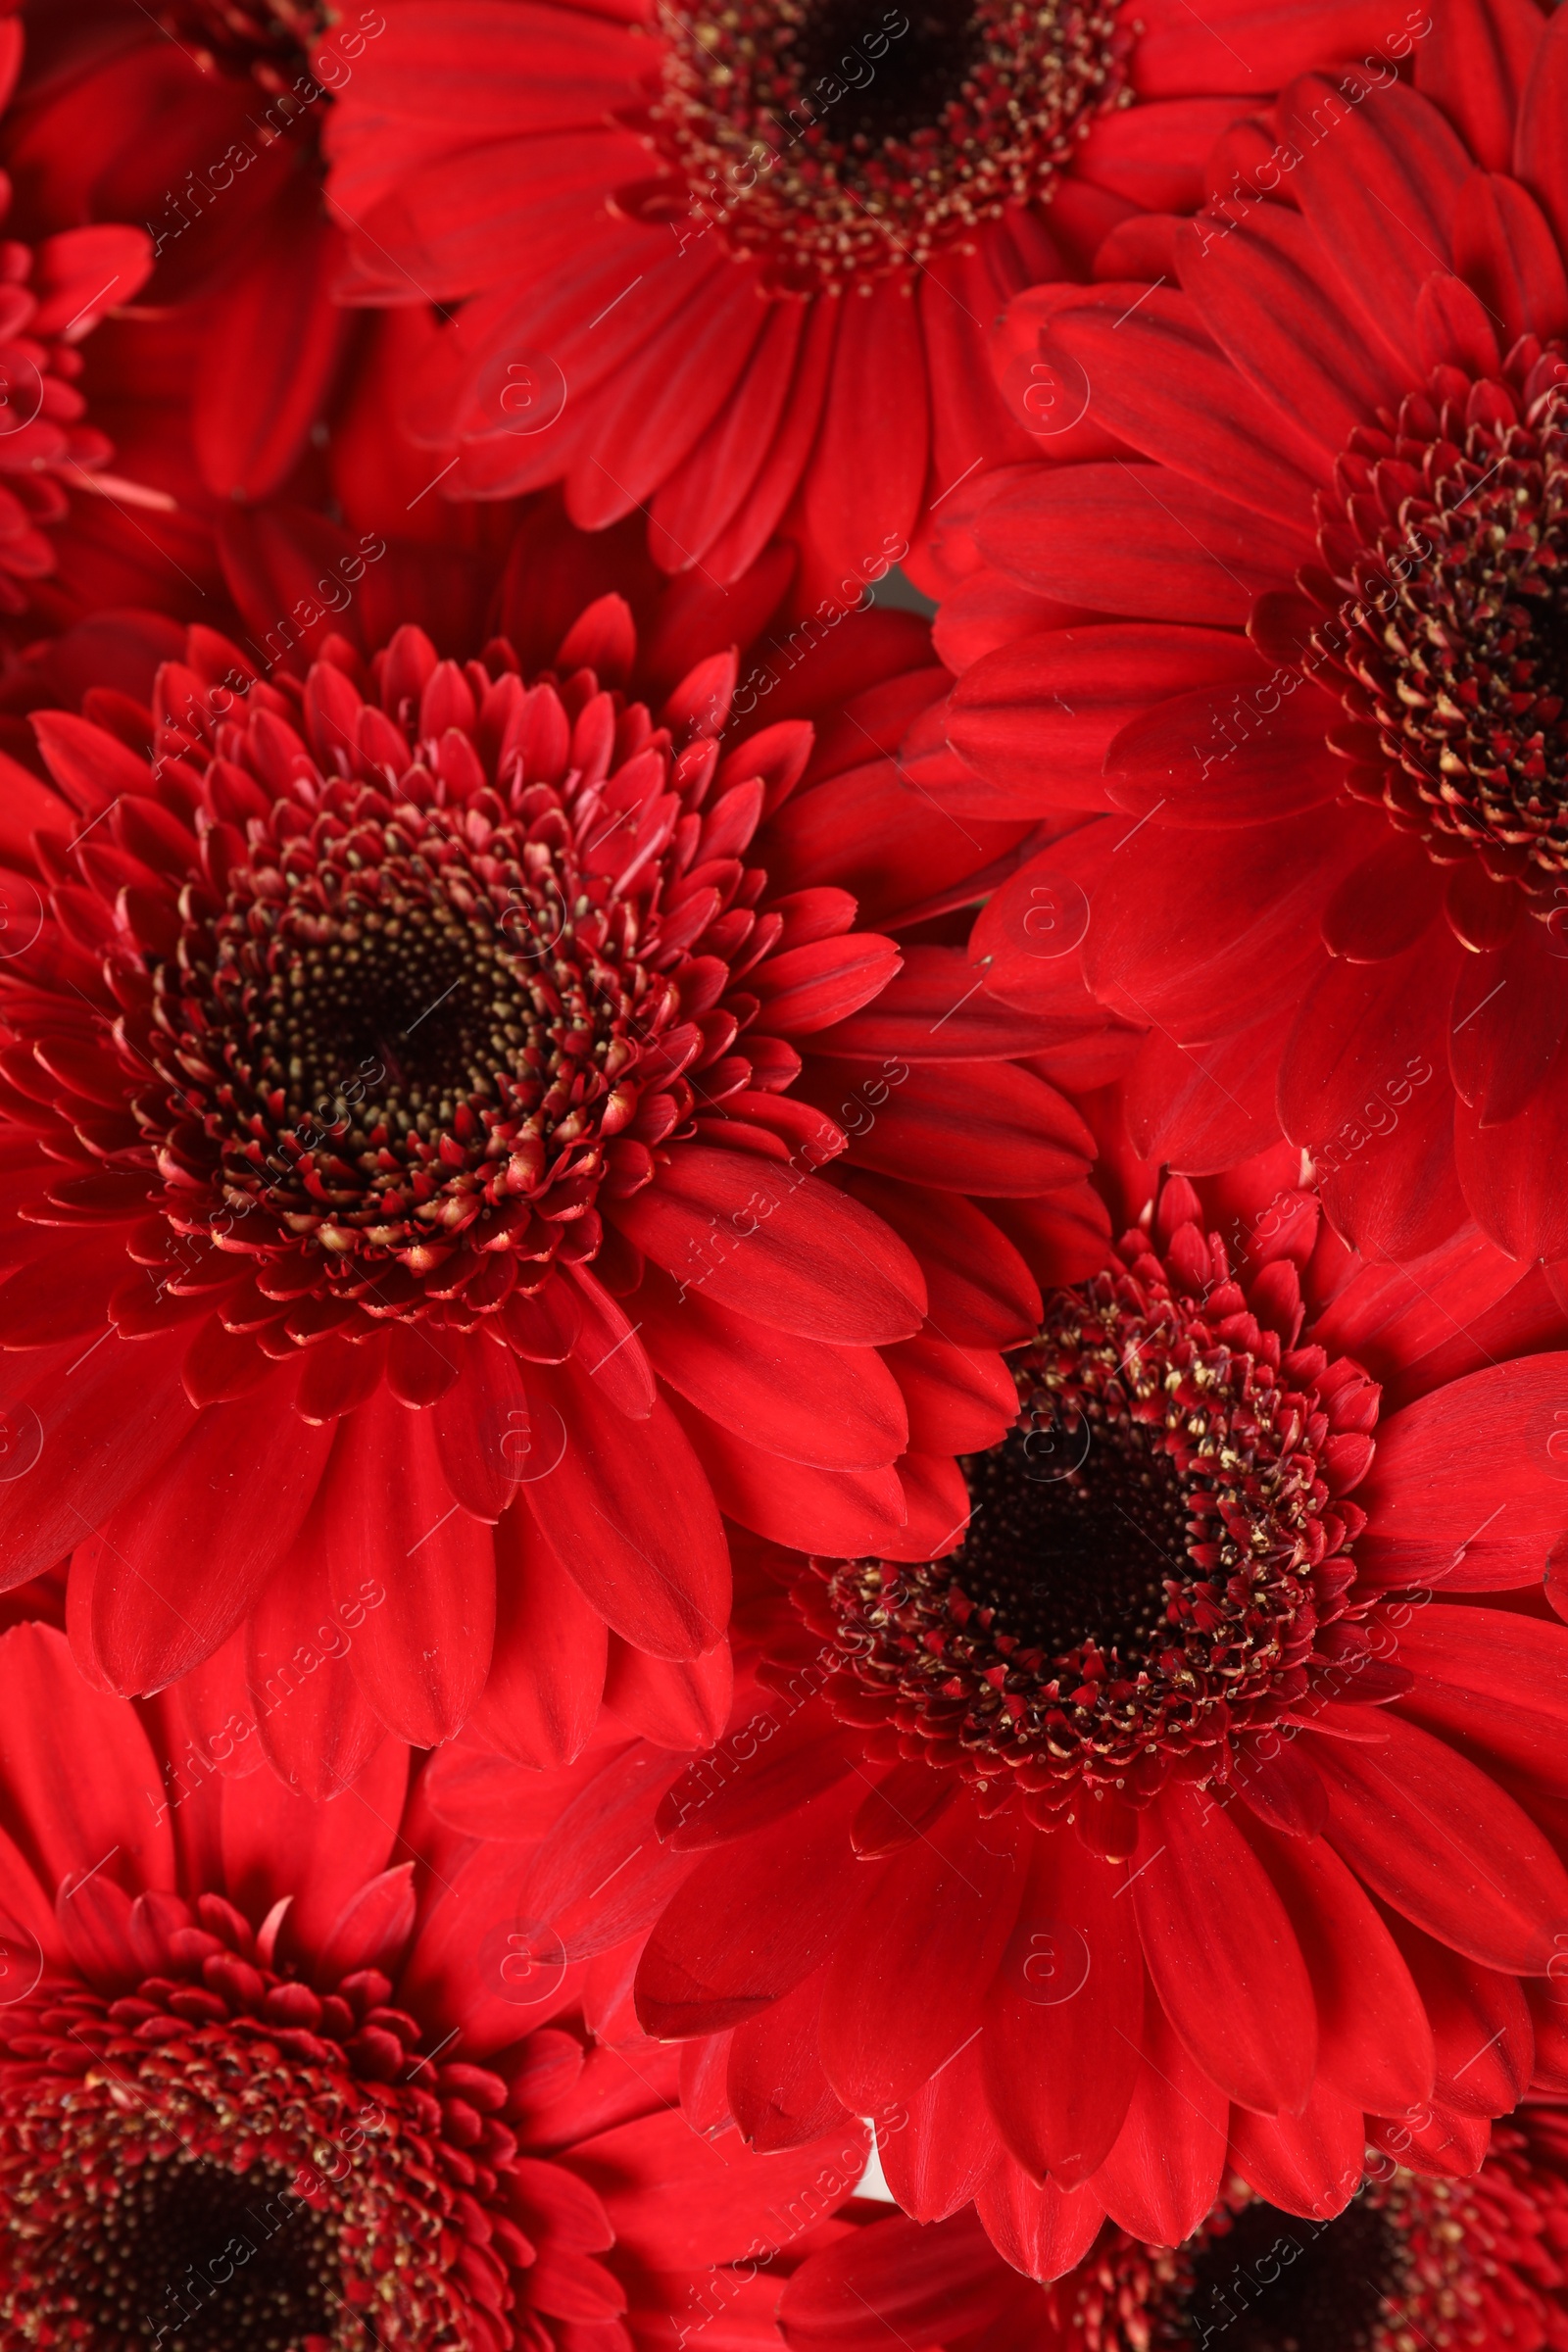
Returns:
(631,1517)
(79,1821)
(315,1726)
(390,1521)
(1495,1680)
(1138,540)
(678,2201)
(960,1400)
(1039,2231)
(1064,2015)
(898,2281)
(1311,2164)
(1434,1837)
(773,2080)
(267,360)
(540,1703)
(868,468)
(1379,193)
(479,1420)
(986,1127)
(1537,158)
(1222,1953)
(938,2150)
(909,1983)
(1438,1513)
(837,1408)
(1375,2042)
(1480,2024)
(753,1920)
(675,1702)
(982,1294)
(1475,64)
(846,1513)
(176,1567)
(809,987)
(602,1842)
(1164,2174)
(780,1245)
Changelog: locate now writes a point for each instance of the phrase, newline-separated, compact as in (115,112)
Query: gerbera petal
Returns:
(1434,1511)
(1201,420)
(1242,2001)
(1312,2163)
(1042,2230)
(1538,156)
(772,2081)
(1380,194)
(923,2284)
(313,1720)
(948,2149)
(1160,2178)
(918,1956)
(175,1567)
(1465,1862)
(795,1254)
(753,1920)
(1135,539)
(424,1653)
(547,1672)
(623,1497)
(1072,1975)
(862,491)
(1375,2040)
(74,1822)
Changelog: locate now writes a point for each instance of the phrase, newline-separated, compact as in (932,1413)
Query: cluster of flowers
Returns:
(783,1276)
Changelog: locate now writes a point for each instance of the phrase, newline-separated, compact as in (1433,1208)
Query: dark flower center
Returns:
(225,2159)
(1409,2262)
(267,39)
(1144,1577)
(924,71)
(1276,2283)
(394,1029)
(1453,644)
(217,2261)
(410,1000)
(849,139)
(1072,1557)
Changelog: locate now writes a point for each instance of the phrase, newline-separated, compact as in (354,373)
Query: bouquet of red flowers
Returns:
(783,1262)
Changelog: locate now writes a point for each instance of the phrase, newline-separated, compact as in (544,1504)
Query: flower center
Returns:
(1452,642)
(405,1004)
(1139,1579)
(841,140)
(225,2159)
(225,2262)
(1072,1558)
(268,39)
(1276,2283)
(395,1031)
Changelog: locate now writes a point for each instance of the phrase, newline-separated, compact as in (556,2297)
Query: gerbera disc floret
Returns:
(243,2161)
(1452,647)
(839,147)
(1155,1565)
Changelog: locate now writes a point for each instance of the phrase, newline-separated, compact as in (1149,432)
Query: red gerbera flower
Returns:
(201,121)
(652,217)
(1309,646)
(403,1121)
(1411,2260)
(55,288)
(1172,1824)
(267,2076)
